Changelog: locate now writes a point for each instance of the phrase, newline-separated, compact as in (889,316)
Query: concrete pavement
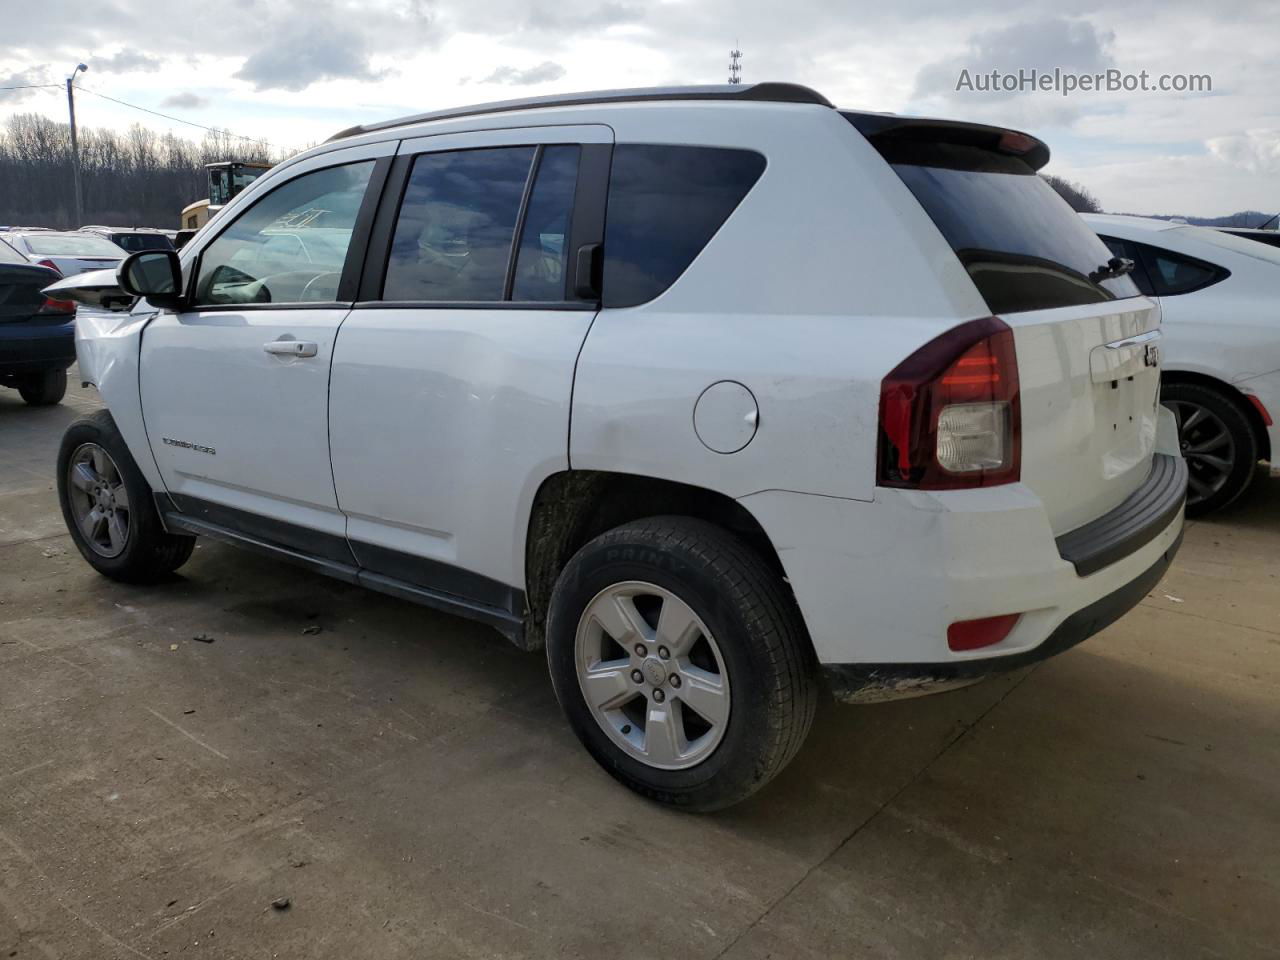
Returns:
(405,780)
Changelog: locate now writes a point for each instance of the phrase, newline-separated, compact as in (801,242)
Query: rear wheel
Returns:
(1217,441)
(44,389)
(108,506)
(681,662)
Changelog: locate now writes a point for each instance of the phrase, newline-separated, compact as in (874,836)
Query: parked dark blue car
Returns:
(37,335)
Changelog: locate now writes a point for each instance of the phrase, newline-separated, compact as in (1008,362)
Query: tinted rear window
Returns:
(1023,246)
(134,242)
(665,203)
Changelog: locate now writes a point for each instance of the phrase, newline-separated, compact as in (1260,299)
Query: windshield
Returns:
(72,245)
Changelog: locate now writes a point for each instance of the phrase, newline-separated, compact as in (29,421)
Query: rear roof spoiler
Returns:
(887,129)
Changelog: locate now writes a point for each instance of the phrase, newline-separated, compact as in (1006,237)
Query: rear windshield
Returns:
(134,242)
(71,245)
(1024,247)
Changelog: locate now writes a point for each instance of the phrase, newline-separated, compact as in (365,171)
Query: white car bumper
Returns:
(879,583)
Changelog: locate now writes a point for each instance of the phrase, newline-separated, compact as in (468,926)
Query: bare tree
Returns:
(1081,200)
(131,178)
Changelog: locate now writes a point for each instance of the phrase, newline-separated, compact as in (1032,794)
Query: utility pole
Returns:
(75,145)
(735,65)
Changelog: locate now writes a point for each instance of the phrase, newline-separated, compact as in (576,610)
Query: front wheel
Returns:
(44,389)
(681,662)
(108,506)
(1217,442)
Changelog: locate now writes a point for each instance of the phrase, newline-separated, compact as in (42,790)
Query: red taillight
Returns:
(51,265)
(1262,411)
(51,305)
(974,634)
(1017,143)
(949,413)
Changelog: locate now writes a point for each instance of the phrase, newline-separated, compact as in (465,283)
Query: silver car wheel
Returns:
(652,675)
(99,501)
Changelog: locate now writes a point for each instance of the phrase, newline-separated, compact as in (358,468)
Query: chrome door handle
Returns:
(292,348)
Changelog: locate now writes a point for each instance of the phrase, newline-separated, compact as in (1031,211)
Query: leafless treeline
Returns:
(135,177)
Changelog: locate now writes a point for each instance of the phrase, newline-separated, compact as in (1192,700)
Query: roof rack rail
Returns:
(760,92)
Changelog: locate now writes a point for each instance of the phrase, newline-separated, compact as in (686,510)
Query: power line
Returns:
(31,86)
(190,123)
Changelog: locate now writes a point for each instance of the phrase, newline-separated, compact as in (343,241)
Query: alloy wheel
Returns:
(99,501)
(652,675)
(1207,446)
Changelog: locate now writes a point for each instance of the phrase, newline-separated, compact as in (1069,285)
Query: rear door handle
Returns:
(292,348)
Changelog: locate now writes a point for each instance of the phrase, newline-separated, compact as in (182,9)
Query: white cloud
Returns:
(307,68)
(544,72)
(1257,151)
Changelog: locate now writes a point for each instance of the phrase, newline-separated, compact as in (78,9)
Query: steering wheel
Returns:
(312,282)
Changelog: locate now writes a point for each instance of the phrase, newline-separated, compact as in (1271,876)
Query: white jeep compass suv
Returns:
(716,393)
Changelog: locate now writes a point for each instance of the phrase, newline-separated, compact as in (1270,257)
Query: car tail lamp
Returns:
(949,413)
(50,264)
(51,305)
(1262,411)
(975,634)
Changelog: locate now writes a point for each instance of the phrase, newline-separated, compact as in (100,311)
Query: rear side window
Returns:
(453,238)
(1174,273)
(1023,246)
(665,203)
(10,255)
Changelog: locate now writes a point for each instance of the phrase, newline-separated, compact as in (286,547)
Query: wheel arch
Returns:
(1234,394)
(572,507)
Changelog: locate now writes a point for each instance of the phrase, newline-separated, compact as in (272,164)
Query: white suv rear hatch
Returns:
(1086,340)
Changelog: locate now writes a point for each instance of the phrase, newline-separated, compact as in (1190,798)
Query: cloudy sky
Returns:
(294,72)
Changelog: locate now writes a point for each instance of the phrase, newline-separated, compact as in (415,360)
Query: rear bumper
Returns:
(863,683)
(878,583)
(1138,519)
(29,348)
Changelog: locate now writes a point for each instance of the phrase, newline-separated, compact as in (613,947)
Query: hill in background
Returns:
(1245,218)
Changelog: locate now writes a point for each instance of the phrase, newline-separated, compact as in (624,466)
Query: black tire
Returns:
(150,554)
(1212,486)
(44,389)
(748,609)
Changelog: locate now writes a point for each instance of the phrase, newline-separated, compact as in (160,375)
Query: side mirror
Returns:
(154,274)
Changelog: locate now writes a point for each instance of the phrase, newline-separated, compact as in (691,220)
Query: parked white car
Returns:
(69,252)
(1218,293)
(757,427)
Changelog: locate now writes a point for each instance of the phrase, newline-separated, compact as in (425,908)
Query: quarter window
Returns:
(453,238)
(290,246)
(1172,273)
(665,204)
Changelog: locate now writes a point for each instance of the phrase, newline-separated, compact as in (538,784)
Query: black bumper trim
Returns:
(1131,525)
(865,682)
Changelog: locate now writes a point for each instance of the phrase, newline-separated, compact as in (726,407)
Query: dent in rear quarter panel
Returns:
(108,346)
